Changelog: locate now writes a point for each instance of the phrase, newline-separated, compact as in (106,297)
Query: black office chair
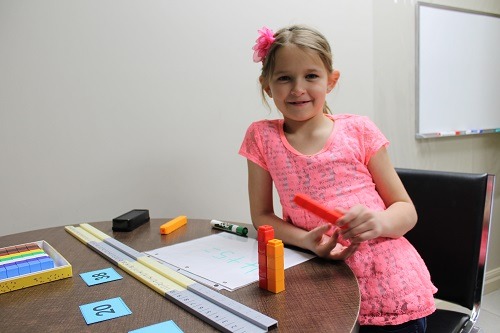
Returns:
(451,235)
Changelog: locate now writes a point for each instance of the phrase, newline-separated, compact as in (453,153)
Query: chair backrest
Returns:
(451,235)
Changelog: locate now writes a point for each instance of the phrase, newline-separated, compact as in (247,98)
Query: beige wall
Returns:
(394,101)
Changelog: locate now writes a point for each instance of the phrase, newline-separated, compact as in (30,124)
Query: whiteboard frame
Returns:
(458,132)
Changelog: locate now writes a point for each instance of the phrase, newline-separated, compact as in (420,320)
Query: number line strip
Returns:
(214,308)
(229,304)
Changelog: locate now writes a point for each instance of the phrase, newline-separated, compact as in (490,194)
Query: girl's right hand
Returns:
(327,247)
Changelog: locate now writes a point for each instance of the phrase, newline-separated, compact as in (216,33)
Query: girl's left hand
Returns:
(362,224)
(340,252)
(327,247)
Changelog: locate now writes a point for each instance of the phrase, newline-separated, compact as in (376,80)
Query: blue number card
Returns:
(100,276)
(165,327)
(104,310)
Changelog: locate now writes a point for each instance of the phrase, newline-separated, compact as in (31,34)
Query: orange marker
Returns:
(173,225)
(317,208)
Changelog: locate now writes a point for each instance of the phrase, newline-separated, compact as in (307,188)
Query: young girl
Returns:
(341,161)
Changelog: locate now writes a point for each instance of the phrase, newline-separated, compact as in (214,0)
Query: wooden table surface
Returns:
(320,295)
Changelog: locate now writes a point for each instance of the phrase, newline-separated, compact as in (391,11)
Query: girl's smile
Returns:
(299,103)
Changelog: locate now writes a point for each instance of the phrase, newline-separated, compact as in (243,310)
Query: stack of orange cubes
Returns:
(271,260)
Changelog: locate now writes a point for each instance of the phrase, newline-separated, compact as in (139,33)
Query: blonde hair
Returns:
(305,38)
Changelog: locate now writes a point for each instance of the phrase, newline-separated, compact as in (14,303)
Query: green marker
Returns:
(235,229)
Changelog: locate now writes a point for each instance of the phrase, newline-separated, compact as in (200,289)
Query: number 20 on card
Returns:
(104,310)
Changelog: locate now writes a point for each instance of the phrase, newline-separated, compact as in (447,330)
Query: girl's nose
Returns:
(297,89)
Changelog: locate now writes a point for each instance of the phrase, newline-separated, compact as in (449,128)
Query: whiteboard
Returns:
(458,72)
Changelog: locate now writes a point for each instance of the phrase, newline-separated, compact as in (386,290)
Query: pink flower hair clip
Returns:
(263,44)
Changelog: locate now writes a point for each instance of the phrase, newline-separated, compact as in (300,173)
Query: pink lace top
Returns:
(394,281)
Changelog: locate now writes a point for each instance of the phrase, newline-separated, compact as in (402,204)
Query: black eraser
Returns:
(131,220)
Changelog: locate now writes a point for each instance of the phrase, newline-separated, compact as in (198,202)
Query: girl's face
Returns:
(299,83)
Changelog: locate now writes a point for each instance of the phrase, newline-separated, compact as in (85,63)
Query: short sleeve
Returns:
(373,139)
(251,148)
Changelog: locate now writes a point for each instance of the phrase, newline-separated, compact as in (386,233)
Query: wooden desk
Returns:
(320,296)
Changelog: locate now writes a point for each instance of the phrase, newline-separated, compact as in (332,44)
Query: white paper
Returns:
(221,260)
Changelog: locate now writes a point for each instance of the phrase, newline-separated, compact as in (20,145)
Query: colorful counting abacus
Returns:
(271,260)
(23,259)
(30,264)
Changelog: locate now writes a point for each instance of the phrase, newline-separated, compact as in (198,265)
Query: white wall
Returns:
(106,106)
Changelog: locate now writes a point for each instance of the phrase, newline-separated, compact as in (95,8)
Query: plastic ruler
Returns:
(210,306)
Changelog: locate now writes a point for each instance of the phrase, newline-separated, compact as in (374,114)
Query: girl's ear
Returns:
(265,86)
(332,80)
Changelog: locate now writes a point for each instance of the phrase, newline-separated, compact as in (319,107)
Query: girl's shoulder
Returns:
(354,121)
(349,117)
(265,124)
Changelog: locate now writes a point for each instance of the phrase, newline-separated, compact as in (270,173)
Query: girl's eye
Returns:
(283,78)
(311,76)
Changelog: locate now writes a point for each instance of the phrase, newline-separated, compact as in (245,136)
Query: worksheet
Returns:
(222,261)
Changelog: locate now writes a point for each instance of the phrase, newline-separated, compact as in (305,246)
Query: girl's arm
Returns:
(400,215)
(260,191)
